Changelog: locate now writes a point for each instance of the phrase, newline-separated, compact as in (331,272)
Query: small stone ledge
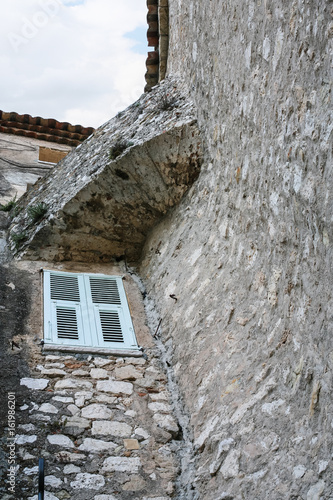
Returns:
(131,353)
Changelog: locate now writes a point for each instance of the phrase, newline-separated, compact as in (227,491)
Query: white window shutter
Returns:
(87,310)
(65,317)
(108,303)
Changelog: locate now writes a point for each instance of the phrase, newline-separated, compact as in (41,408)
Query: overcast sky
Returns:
(80,61)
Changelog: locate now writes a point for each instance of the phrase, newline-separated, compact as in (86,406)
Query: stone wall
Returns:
(241,271)
(105,425)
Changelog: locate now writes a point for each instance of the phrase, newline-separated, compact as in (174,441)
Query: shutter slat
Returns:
(67,327)
(104,291)
(111,327)
(64,287)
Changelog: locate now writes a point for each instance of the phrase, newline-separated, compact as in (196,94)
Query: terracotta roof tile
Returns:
(45,129)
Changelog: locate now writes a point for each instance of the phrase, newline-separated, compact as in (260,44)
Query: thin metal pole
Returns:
(41,479)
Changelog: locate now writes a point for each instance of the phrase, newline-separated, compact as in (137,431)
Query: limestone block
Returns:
(81,397)
(98,373)
(88,481)
(142,432)
(97,445)
(60,440)
(53,372)
(47,496)
(96,411)
(130,465)
(80,373)
(53,481)
(27,427)
(73,409)
(136,483)
(48,408)
(22,439)
(159,396)
(166,422)
(127,373)
(105,428)
(117,388)
(104,398)
(76,425)
(63,399)
(100,362)
(71,469)
(66,456)
(230,466)
(136,361)
(34,383)
(69,383)
(30,471)
(158,407)
(105,497)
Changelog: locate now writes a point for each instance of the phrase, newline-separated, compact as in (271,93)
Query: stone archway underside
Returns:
(104,197)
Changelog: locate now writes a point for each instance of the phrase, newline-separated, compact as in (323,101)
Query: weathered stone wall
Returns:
(248,253)
(104,197)
(104,424)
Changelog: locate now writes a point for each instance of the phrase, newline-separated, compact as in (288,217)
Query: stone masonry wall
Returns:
(241,271)
(105,425)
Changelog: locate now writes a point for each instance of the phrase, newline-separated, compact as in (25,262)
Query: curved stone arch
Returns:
(158,37)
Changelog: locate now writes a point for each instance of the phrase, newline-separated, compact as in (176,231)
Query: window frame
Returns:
(96,332)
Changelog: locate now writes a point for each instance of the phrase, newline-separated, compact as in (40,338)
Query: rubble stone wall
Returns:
(241,271)
(104,424)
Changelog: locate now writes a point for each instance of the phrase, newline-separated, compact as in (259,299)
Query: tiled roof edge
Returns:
(46,129)
(158,37)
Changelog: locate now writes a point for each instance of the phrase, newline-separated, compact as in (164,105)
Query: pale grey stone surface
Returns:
(34,383)
(23,439)
(48,408)
(248,251)
(113,387)
(167,422)
(96,445)
(71,469)
(105,428)
(121,464)
(47,496)
(98,373)
(72,384)
(53,481)
(60,440)
(96,411)
(88,481)
(127,373)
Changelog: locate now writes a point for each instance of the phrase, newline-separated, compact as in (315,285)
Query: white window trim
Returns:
(114,335)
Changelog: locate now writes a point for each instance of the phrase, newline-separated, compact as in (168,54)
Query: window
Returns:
(86,310)
(50,155)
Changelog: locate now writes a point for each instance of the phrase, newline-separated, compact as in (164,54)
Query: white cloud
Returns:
(71,59)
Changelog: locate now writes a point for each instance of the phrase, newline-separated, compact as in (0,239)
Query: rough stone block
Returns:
(96,411)
(97,445)
(60,440)
(105,428)
(37,384)
(116,388)
(130,465)
(84,480)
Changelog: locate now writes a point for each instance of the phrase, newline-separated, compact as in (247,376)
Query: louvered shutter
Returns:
(65,315)
(112,320)
(87,310)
